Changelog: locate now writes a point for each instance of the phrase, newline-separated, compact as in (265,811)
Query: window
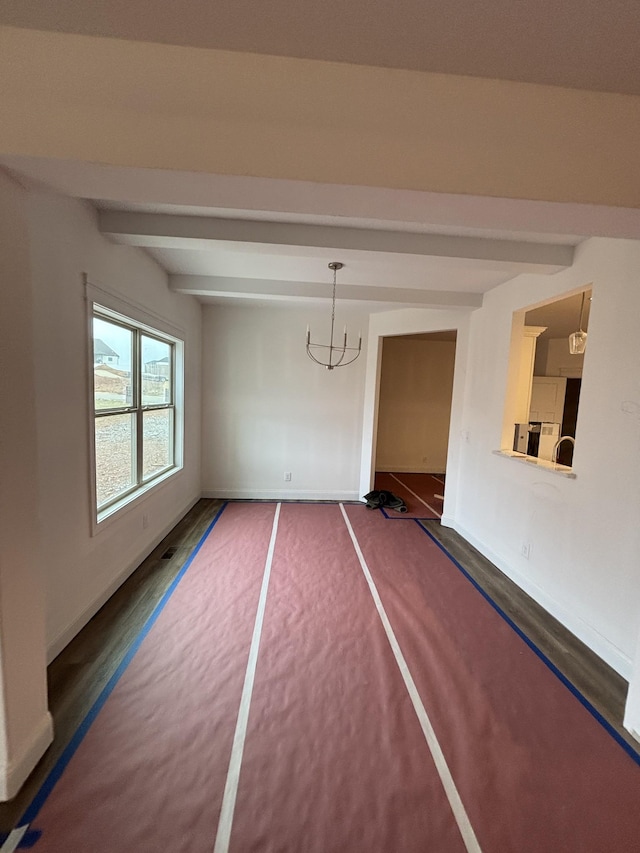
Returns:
(136,374)
(541,411)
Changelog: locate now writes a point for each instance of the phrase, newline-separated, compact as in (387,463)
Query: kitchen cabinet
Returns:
(547,398)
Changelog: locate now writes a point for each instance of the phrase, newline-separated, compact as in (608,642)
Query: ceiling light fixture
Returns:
(578,340)
(336,354)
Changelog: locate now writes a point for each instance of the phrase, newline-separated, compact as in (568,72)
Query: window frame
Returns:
(136,408)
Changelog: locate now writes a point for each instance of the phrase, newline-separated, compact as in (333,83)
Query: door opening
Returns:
(414,413)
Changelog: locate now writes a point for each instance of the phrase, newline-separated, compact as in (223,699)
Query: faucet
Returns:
(556,447)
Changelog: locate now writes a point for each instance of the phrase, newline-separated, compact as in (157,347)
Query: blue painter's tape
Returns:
(58,769)
(631,752)
(29,839)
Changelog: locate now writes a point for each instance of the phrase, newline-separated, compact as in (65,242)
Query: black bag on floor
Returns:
(381,497)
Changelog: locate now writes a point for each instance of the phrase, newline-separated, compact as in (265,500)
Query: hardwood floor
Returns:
(77,676)
(589,674)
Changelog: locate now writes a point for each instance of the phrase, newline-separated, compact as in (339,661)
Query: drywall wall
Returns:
(25,724)
(81,569)
(416,383)
(560,362)
(554,359)
(582,533)
(268,409)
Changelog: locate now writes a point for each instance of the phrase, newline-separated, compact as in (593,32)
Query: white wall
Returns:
(583,533)
(82,570)
(414,412)
(25,724)
(267,408)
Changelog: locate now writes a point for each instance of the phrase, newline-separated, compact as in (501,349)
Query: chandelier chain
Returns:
(335,353)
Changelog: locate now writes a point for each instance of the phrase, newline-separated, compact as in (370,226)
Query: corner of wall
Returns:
(16,771)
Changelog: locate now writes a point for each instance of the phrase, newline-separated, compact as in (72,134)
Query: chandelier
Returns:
(334,354)
(578,340)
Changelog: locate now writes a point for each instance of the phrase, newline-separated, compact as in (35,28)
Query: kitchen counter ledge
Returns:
(553,467)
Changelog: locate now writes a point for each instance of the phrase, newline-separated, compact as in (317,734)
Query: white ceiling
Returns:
(269,240)
(232,239)
(584,44)
(239,257)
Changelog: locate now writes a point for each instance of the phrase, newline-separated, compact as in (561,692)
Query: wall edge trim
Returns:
(15,772)
(280,494)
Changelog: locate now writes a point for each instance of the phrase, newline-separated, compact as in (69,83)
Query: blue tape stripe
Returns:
(29,839)
(631,752)
(403,516)
(58,769)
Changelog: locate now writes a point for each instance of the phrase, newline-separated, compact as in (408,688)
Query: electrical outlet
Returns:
(525,550)
(287,476)
(145,521)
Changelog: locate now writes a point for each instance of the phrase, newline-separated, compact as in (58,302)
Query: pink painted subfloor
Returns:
(335,761)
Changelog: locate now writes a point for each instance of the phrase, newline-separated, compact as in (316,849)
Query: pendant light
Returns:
(578,340)
(334,354)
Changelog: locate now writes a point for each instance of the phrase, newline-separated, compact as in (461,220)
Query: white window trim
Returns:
(111,306)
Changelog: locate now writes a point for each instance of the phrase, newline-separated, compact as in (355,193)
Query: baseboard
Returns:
(68,633)
(635,734)
(585,632)
(279,495)
(14,774)
(408,469)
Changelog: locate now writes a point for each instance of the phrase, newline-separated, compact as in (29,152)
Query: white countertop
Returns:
(553,467)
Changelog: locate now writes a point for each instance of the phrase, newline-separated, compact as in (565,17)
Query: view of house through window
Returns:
(134,378)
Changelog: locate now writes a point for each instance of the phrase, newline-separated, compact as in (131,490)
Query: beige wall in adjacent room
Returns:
(415,404)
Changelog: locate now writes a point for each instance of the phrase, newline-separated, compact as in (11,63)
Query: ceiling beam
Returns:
(157,230)
(251,288)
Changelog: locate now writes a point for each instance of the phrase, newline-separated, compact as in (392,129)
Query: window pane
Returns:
(115,456)
(156,372)
(157,441)
(112,359)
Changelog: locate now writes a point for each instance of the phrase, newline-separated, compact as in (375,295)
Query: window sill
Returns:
(553,467)
(117,510)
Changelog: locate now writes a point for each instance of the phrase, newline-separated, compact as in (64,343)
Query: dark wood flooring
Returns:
(596,680)
(77,676)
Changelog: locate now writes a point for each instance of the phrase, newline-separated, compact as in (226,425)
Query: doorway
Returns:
(414,414)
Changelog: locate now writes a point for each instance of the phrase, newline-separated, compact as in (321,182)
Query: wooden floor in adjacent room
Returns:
(423,494)
(79,674)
